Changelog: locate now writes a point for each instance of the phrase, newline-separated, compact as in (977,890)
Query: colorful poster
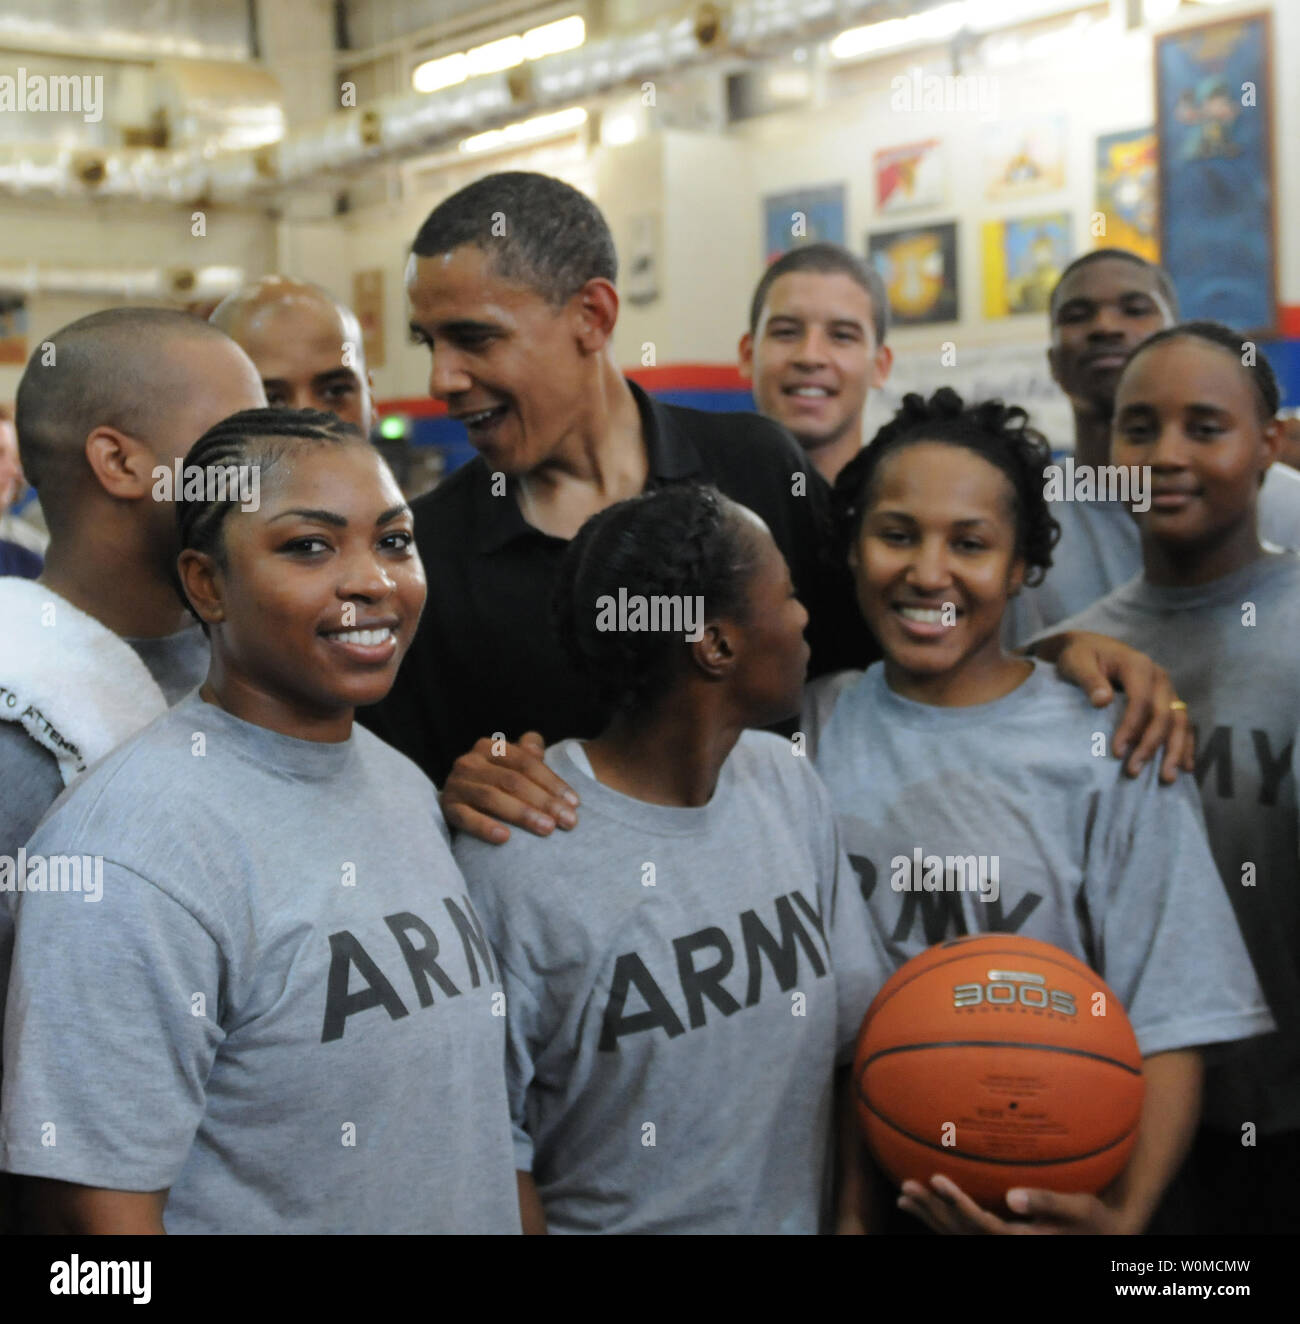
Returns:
(909,177)
(1023,260)
(1214,106)
(1126,192)
(13,328)
(919,268)
(802,217)
(1024,157)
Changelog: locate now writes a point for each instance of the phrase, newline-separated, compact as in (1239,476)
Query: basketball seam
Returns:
(980,1158)
(1004,1163)
(999,1043)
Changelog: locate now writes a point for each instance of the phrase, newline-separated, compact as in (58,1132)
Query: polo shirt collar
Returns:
(671,452)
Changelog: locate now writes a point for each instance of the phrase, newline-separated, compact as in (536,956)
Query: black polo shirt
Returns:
(485,657)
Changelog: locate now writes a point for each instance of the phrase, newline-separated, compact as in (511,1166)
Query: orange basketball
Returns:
(999,1061)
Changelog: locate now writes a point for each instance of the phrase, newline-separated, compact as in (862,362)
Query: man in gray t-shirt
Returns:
(283,1009)
(680,983)
(1105,304)
(1230,647)
(103,404)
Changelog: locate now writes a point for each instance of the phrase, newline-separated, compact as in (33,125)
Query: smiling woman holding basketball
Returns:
(250,1032)
(952,747)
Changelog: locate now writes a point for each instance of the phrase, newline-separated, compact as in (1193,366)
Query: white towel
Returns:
(77,688)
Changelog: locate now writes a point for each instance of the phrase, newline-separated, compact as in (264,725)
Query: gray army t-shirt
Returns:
(1101,549)
(680,983)
(284,1006)
(1231,648)
(30,781)
(1114,870)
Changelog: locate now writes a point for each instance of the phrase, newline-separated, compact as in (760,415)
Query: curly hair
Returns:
(679,541)
(997,432)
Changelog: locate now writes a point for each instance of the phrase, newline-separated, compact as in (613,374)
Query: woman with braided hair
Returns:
(281,1015)
(683,970)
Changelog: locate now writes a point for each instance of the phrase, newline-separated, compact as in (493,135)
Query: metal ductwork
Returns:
(156,283)
(418,121)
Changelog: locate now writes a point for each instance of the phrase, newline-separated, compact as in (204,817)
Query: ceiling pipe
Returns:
(414,122)
(159,283)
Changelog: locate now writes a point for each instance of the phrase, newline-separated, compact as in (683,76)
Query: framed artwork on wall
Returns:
(910,177)
(1023,157)
(1023,260)
(1214,117)
(802,216)
(1127,195)
(919,268)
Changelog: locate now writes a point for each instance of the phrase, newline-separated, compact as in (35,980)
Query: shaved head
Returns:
(306,344)
(152,374)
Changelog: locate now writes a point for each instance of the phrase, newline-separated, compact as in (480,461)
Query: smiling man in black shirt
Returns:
(511,288)
(511,285)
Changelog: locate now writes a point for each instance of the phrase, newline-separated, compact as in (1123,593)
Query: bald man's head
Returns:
(141,383)
(307,346)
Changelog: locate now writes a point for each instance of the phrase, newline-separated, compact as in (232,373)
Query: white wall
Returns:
(115,236)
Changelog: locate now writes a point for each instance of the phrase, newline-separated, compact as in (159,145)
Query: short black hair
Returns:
(997,432)
(1158,274)
(1268,394)
(828,259)
(536,230)
(682,540)
(99,371)
(261,437)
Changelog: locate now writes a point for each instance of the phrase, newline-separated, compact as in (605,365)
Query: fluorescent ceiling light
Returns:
(492,57)
(540,126)
(985,14)
(616,130)
(932,25)
(435,74)
(942,22)
(551,38)
(495,56)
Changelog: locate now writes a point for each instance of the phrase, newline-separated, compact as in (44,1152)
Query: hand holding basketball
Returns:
(999,1060)
(945,1208)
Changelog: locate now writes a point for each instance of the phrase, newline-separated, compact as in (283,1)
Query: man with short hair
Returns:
(101,643)
(511,288)
(306,345)
(1105,304)
(815,349)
